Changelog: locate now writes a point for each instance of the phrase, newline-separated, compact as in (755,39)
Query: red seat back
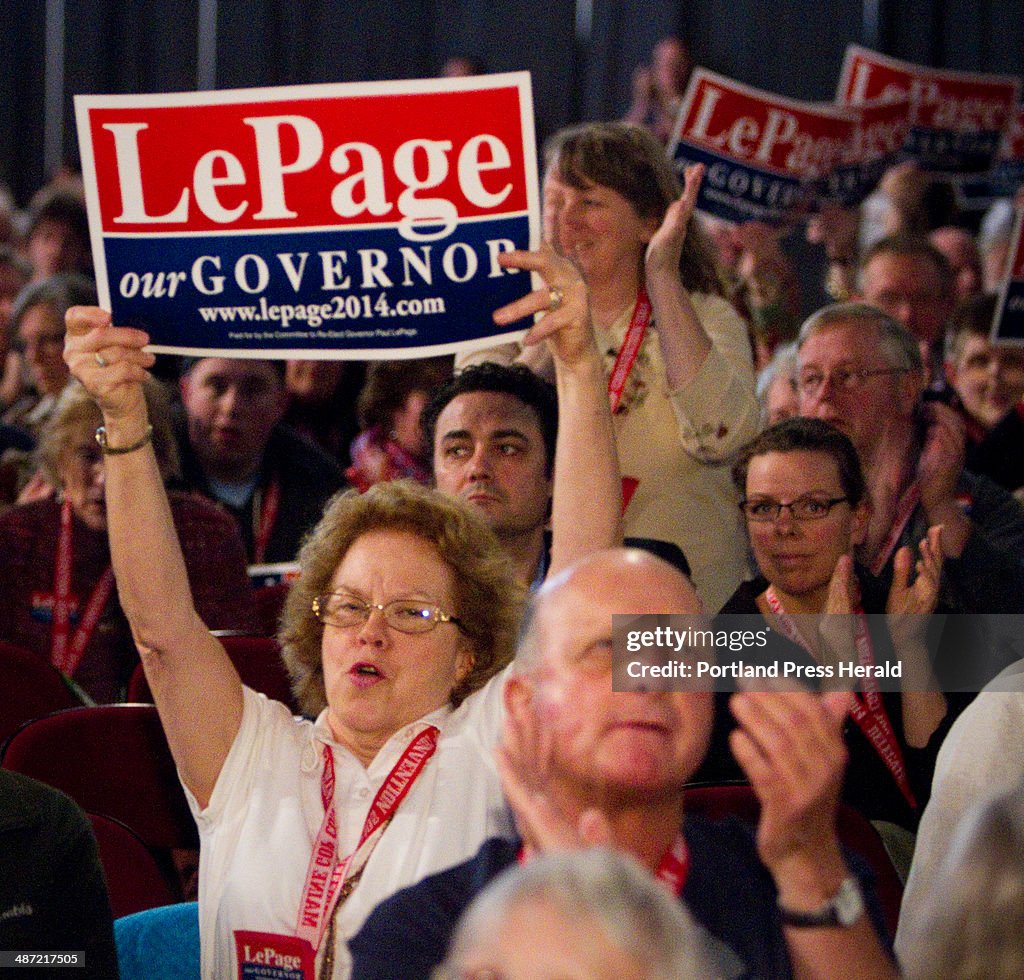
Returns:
(135,880)
(30,687)
(111,759)
(257,660)
(855,832)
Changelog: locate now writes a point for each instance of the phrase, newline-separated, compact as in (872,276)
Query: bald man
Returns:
(582,764)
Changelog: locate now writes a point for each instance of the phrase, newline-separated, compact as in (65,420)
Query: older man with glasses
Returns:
(863,372)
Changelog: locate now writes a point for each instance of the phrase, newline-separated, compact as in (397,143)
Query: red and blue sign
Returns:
(1008,325)
(763,153)
(351,220)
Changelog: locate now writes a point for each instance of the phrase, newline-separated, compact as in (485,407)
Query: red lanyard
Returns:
(672,870)
(67,656)
(635,332)
(327,872)
(264,515)
(868,711)
(909,500)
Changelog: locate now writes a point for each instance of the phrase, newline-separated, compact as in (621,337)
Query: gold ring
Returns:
(100,360)
(556,298)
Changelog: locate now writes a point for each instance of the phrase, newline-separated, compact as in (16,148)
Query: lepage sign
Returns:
(957,118)
(1008,324)
(762,151)
(352,220)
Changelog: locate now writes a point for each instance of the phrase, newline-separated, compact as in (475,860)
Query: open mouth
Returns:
(365,670)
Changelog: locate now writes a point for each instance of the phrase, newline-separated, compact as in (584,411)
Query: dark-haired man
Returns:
(235,450)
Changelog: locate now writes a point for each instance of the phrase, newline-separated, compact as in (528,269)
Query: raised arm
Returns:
(709,368)
(195,687)
(586,506)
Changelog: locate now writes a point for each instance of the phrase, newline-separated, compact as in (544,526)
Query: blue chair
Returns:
(160,943)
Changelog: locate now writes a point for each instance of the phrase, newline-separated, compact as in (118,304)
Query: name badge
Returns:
(268,956)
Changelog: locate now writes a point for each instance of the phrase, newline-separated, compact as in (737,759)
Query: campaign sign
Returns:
(957,118)
(761,151)
(1008,324)
(1008,174)
(334,221)
(876,142)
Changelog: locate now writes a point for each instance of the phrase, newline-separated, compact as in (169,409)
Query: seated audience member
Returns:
(964,258)
(982,757)
(582,764)
(15,274)
(776,386)
(463,66)
(57,240)
(53,896)
(395,634)
(37,330)
(971,925)
(321,402)
(236,450)
(686,405)
(989,383)
(761,280)
(591,913)
(658,88)
(807,509)
(76,622)
(862,371)
(391,444)
(495,430)
(909,279)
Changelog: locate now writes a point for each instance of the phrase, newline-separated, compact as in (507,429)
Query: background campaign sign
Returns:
(1008,174)
(956,118)
(762,151)
(876,142)
(1009,319)
(351,220)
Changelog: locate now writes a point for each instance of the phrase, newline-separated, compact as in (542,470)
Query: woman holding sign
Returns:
(678,357)
(395,636)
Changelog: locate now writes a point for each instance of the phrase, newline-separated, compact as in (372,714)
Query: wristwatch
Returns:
(843,909)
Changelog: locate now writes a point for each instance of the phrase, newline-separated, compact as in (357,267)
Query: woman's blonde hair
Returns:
(75,410)
(487,598)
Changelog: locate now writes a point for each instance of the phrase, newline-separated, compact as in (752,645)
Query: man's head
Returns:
(492,430)
(909,279)
(964,258)
(608,748)
(988,378)
(58,234)
(232,406)
(861,371)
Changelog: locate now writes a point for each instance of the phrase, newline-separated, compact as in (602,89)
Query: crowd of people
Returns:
(671,437)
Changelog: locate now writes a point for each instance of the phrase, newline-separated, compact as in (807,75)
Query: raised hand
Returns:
(666,245)
(907,606)
(790,745)
(563,300)
(109,361)
(524,759)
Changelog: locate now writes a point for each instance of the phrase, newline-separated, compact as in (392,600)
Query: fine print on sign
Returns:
(348,220)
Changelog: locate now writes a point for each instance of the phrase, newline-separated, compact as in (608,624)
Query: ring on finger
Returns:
(556,298)
(101,360)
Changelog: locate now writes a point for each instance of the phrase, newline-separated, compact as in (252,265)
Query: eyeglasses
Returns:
(762,510)
(342,609)
(811,381)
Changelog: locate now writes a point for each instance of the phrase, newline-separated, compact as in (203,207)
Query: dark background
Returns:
(793,47)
